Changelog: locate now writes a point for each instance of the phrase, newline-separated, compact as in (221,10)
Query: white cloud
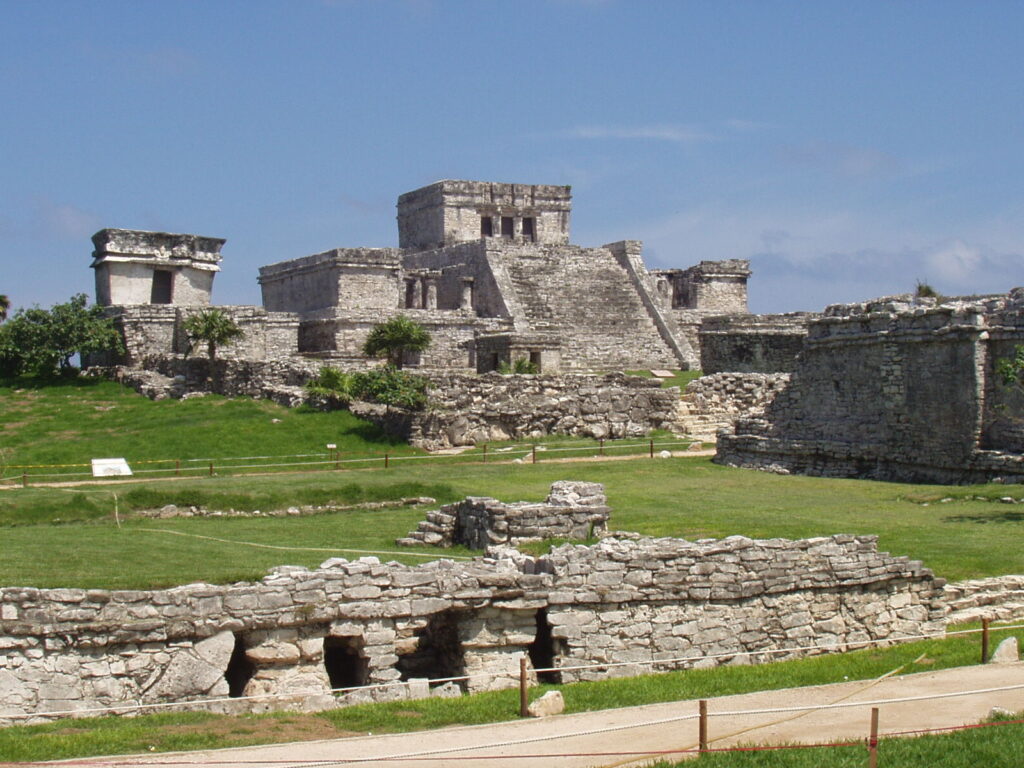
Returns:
(841,159)
(65,221)
(803,260)
(681,134)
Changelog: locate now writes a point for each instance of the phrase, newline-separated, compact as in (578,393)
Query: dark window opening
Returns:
(486,226)
(240,670)
(344,661)
(528,229)
(535,359)
(438,652)
(410,295)
(542,650)
(161,291)
(506,226)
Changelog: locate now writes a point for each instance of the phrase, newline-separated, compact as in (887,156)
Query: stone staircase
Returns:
(587,290)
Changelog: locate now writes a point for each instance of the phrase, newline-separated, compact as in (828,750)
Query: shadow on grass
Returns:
(993,517)
(52,382)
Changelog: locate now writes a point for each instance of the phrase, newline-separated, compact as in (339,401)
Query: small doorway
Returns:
(161,292)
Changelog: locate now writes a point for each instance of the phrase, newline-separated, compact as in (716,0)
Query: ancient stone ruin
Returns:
(486,268)
(899,389)
(359,630)
(571,511)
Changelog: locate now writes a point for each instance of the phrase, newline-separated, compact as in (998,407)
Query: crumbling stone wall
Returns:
(572,510)
(999,598)
(299,633)
(898,389)
(752,343)
(712,403)
(156,330)
(466,410)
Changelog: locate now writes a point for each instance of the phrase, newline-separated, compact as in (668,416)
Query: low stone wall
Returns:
(299,633)
(711,403)
(1000,598)
(466,410)
(572,510)
(170,376)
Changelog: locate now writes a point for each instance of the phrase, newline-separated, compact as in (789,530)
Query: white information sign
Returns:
(110,468)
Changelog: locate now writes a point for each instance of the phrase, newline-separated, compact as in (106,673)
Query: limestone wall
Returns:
(156,330)
(712,403)
(302,632)
(893,389)
(466,410)
(1000,598)
(752,343)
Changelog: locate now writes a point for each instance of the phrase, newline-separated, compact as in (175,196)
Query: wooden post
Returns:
(600,449)
(702,726)
(24,480)
(984,640)
(337,459)
(524,699)
(485,453)
(211,469)
(385,461)
(652,449)
(534,453)
(873,740)
(177,467)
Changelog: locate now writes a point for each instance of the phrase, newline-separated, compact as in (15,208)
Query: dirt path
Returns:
(633,736)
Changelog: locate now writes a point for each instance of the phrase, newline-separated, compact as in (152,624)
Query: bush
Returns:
(520,365)
(389,386)
(333,385)
(42,342)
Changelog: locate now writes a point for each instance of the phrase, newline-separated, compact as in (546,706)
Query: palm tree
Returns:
(392,339)
(5,305)
(215,327)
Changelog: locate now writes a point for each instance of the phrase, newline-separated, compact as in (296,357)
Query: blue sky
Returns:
(848,149)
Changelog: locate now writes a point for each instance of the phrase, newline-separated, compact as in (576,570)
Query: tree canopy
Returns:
(214,327)
(5,306)
(43,341)
(394,338)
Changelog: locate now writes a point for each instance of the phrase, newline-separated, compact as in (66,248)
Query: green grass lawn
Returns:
(73,421)
(68,537)
(678,379)
(194,730)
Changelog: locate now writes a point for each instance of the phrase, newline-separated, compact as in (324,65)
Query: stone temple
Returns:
(487,268)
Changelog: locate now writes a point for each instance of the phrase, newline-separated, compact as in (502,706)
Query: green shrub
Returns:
(333,385)
(520,365)
(389,386)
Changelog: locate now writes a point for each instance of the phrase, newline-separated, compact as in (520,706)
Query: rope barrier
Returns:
(224,462)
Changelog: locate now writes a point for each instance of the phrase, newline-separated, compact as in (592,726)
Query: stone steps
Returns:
(591,294)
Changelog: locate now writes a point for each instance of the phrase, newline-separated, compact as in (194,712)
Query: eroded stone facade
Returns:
(467,410)
(897,388)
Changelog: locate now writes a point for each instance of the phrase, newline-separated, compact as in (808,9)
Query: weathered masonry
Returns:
(487,268)
(897,388)
(300,633)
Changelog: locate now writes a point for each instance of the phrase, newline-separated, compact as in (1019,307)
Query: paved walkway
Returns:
(632,736)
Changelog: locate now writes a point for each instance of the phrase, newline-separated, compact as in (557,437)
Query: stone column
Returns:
(430,293)
(467,294)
